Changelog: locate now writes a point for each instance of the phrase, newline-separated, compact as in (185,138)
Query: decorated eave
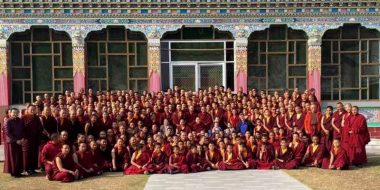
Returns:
(154,17)
(184,8)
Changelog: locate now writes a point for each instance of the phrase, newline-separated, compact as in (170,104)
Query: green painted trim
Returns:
(373,125)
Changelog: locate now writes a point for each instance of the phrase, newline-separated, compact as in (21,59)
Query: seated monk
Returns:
(97,158)
(283,156)
(338,158)
(85,162)
(314,154)
(212,157)
(194,160)
(139,161)
(265,153)
(177,162)
(246,156)
(158,161)
(49,152)
(120,156)
(64,167)
(230,160)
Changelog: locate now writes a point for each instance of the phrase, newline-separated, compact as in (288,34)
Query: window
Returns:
(189,44)
(350,63)
(41,62)
(277,59)
(117,60)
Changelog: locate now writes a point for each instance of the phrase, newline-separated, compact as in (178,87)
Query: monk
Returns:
(212,156)
(205,118)
(64,167)
(98,161)
(49,152)
(345,140)
(337,120)
(358,138)
(313,121)
(158,161)
(230,160)
(245,155)
(338,158)
(120,156)
(14,131)
(283,156)
(193,160)
(85,162)
(265,156)
(299,149)
(139,161)
(33,134)
(177,162)
(327,129)
(298,118)
(314,154)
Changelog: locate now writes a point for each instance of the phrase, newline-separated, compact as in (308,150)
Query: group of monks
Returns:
(78,135)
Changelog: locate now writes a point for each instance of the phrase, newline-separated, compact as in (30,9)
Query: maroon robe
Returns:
(344,132)
(194,162)
(64,124)
(33,135)
(86,160)
(326,139)
(340,159)
(50,124)
(358,139)
(299,152)
(299,122)
(232,163)
(121,157)
(14,131)
(48,153)
(67,163)
(286,158)
(316,155)
(338,123)
(270,122)
(141,160)
(158,163)
(265,162)
(180,164)
(206,119)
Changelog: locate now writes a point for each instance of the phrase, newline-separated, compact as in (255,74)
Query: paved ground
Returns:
(1,152)
(238,180)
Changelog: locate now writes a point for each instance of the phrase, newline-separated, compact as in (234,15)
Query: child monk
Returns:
(212,156)
(64,167)
(139,162)
(177,162)
(158,161)
(338,158)
(120,156)
(314,153)
(230,160)
(246,156)
(283,156)
(193,160)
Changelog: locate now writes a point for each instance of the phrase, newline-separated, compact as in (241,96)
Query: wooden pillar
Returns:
(79,72)
(154,61)
(241,61)
(4,74)
(314,61)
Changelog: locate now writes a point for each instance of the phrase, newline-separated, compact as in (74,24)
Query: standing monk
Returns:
(313,121)
(33,133)
(327,129)
(345,141)
(358,138)
(14,131)
(337,120)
